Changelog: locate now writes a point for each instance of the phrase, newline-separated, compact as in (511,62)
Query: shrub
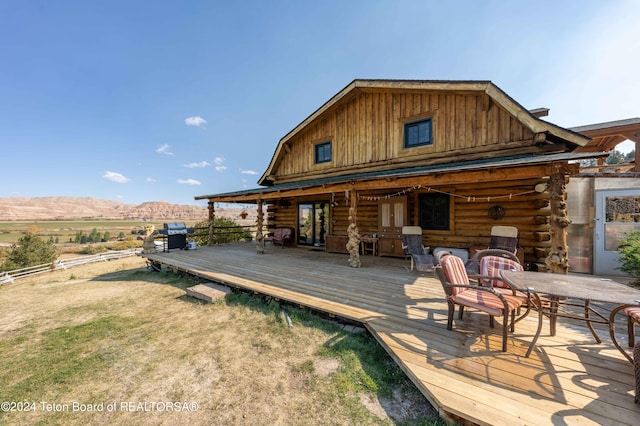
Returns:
(630,255)
(226,231)
(94,249)
(125,245)
(30,250)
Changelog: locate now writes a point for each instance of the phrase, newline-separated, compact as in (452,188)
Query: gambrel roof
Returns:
(489,92)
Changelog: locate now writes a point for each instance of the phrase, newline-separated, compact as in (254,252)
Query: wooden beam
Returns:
(212,218)
(434,179)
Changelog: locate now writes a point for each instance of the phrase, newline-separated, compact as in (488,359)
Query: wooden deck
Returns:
(568,379)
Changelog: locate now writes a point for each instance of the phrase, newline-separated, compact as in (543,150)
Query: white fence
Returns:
(10,276)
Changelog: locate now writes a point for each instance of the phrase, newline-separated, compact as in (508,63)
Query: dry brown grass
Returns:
(133,336)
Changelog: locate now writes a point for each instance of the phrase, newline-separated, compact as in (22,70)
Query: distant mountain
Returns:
(43,208)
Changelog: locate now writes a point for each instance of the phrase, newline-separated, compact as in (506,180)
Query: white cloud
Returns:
(189,181)
(151,179)
(248,172)
(195,121)
(218,162)
(164,149)
(196,165)
(115,177)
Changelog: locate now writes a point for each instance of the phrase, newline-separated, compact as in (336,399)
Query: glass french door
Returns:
(313,223)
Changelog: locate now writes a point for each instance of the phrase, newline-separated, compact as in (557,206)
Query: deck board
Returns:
(568,379)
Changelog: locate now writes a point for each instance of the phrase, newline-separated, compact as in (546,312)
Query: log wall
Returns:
(470,222)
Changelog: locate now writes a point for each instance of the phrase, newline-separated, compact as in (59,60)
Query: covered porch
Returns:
(568,379)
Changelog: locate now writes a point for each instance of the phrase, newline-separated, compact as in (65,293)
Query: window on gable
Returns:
(417,133)
(434,211)
(322,152)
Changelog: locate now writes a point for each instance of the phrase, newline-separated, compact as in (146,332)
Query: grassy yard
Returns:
(114,343)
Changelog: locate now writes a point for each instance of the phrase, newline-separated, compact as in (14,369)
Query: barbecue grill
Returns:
(175,234)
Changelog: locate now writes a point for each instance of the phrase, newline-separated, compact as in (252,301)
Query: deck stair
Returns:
(209,292)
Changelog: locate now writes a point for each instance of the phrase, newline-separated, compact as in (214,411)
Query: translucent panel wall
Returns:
(580,203)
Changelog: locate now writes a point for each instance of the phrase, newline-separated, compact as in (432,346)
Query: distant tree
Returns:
(615,157)
(630,156)
(33,229)
(106,236)
(30,250)
(80,237)
(588,163)
(93,236)
(121,235)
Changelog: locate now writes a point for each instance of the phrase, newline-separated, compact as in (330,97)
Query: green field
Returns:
(64,230)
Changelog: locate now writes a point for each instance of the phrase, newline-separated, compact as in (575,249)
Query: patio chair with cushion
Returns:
(459,290)
(413,248)
(502,238)
(492,261)
(632,312)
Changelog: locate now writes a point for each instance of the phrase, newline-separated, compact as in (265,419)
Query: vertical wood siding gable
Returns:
(368,129)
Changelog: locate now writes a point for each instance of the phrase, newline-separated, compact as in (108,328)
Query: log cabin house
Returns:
(453,157)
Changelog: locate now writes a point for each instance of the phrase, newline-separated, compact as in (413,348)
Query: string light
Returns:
(469,198)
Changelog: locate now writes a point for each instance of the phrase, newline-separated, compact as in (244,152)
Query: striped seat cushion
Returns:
(485,301)
(490,266)
(454,272)
(633,312)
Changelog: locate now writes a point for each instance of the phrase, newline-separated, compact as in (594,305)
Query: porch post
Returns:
(558,257)
(259,236)
(353,245)
(212,218)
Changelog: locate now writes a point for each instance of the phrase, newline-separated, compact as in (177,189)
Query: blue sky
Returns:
(140,101)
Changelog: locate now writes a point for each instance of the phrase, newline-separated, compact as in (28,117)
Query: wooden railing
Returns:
(10,276)
(223,234)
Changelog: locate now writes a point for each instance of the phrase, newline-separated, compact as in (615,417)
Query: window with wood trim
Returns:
(322,152)
(418,133)
(434,211)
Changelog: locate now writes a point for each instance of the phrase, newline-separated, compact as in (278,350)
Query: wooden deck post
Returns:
(353,245)
(558,257)
(259,235)
(212,219)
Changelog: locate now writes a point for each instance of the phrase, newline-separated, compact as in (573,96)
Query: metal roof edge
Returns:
(438,168)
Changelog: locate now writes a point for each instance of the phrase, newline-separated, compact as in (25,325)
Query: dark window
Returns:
(322,152)
(417,133)
(434,211)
